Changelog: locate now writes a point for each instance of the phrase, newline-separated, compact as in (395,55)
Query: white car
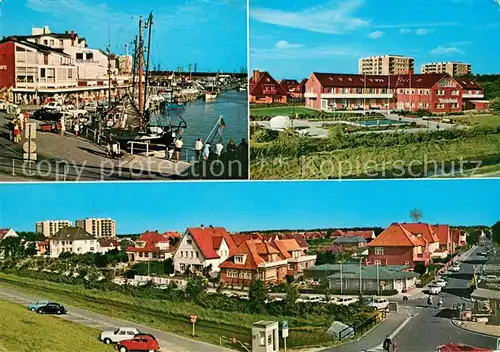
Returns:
(379,304)
(345,301)
(118,335)
(440,282)
(71,109)
(308,299)
(454,268)
(53,105)
(491,278)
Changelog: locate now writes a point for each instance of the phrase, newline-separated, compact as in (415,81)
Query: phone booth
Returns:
(265,336)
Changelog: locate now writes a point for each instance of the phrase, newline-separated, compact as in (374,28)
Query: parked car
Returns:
(35,305)
(54,105)
(491,278)
(482,254)
(379,304)
(140,342)
(454,268)
(45,114)
(345,301)
(51,308)
(434,289)
(456,347)
(308,299)
(440,282)
(118,335)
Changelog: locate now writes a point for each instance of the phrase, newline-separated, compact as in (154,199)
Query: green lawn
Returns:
(25,331)
(284,111)
(480,120)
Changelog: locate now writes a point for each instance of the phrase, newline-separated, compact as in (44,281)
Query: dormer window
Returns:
(239,259)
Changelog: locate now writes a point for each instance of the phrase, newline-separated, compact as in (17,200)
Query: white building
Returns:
(50,227)
(73,240)
(6,233)
(203,247)
(105,245)
(98,227)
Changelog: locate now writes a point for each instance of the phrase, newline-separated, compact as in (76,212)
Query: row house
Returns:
(107,244)
(446,246)
(434,92)
(458,237)
(349,242)
(397,245)
(203,248)
(265,90)
(289,85)
(151,246)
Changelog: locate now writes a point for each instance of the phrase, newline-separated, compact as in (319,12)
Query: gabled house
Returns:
(425,231)
(6,233)
(265,90)
(349,242)
(254,259)
(289,85)
(107,244)
(72,239)
(396,245)
(458,237)
(151,246)
(368,235)
(42,248)
(299,90)
(443,233)
(295,254)
(203,247)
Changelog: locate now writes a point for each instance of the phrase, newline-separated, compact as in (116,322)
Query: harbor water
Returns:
(201,116)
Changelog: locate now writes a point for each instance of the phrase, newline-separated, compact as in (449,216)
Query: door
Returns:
(52,308)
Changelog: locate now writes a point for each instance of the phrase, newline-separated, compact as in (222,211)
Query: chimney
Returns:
(72,38)
(202,226)
(256,75)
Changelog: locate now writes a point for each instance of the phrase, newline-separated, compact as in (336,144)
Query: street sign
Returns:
(193,318)
(29,147)
(30,131)
(284,330)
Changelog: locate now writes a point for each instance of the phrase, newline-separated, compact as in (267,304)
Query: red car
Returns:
(456,347)
(140,342)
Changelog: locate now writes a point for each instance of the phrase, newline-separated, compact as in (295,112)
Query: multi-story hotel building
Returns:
(98,227)
(50,227)
(452,68)
(386,65)
(434,92)
(45,64)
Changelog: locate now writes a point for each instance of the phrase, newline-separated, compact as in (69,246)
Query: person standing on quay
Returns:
(17,132)
(178,147)
(218,149)
(198,147)
(231,149)
(387,344)
(77,128)
(63,126)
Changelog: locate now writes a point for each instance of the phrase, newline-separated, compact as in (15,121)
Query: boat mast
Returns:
(149,24)
(134,67)
(140,71)
(109,64)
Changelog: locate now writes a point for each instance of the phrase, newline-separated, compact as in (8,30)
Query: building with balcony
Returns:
(151,246)
(452,68)
(50,227)
(386,65)
(98,227)
(437,93)
(398,246)
(72,240)
(265,90)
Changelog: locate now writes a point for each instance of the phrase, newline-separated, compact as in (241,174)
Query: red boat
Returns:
(457,347)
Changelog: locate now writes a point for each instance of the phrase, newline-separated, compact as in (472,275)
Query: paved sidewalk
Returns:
(492,330)
(376,336)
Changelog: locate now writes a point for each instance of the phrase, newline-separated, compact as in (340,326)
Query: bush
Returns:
(420,269)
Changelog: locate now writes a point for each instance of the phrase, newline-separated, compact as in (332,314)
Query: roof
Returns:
(455,234)
(3,232)
(422,228)
(467,83)
(349,239)
(397,236)
(39,47)
(366,234)
(207,242)
(442,233)
(172,234)
(70,233)
(153,237)
(108,242)
(256,250)
(264,79)
(378,81)
(370,272)
(483,293)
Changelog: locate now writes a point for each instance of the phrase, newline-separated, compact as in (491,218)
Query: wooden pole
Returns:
(140,64)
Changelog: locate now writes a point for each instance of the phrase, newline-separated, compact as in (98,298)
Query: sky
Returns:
(246,206)
(293,38)
(211,33)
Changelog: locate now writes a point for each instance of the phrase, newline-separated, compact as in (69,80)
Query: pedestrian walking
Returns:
(178,147)
(405,299)
(198,147)
(63,126)
(218,149)
(77,128)
(387,344)
(206,151)
(17,132)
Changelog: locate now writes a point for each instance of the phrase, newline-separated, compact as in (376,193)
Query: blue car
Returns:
(35,305)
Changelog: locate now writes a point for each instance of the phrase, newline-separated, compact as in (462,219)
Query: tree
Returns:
(292,294)
(169,266)
(257,296)
(416,215)
(420,269)
(495,105)
(13,247)
(194,287)
(495,232)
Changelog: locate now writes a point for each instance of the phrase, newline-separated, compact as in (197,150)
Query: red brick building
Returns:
(151,246)
(434,92)
(265,90)
(289,85)
(398,246)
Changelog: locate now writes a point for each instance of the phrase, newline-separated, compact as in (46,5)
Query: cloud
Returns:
(442,50)
(423,31)
(323,19)
(418,25)
(283,44)
(419,31)
(317,52)
(404,31)
(376,35)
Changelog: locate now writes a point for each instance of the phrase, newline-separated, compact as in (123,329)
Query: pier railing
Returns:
(147,148)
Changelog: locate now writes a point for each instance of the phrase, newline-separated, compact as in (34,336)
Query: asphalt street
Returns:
(426,328)
(168,342)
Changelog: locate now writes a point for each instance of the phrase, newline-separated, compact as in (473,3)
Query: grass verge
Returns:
(25,331)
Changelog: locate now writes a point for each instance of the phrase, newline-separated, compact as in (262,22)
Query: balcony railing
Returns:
(301,259)
(357,95)
(311,95)
(472,96)
(269,91)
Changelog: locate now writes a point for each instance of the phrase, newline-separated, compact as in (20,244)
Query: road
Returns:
(169,342)
(427,328)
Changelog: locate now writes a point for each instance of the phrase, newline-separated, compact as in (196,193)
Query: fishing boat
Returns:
(210,96)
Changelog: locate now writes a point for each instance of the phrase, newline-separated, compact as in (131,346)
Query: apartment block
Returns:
(450,67)
(50,227)
(386,65)
(98,227)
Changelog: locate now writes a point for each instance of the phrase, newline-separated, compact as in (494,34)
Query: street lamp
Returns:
(378,280)
(360,280)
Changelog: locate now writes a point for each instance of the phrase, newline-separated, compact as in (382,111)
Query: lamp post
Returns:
(378,281)
(360,280)
(341,283)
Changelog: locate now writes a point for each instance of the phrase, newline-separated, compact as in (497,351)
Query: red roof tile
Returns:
(397,236)
(422,228)
(256,88)
(366,234)
(153,237)
(108,242)
(443,233)
(254,250)
(204,238)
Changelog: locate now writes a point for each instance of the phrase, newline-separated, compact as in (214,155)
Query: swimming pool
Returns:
(372,123)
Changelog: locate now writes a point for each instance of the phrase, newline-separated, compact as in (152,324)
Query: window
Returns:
(52,42)
(192,254)
(70,73)
(189,241)
(79,249)
(378,262)
(61,42)
(79,56)
(45,42)
(90,56)
(91,248)
(239,259)
(232,273)
(379,250)
(197,254)
(455,92)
